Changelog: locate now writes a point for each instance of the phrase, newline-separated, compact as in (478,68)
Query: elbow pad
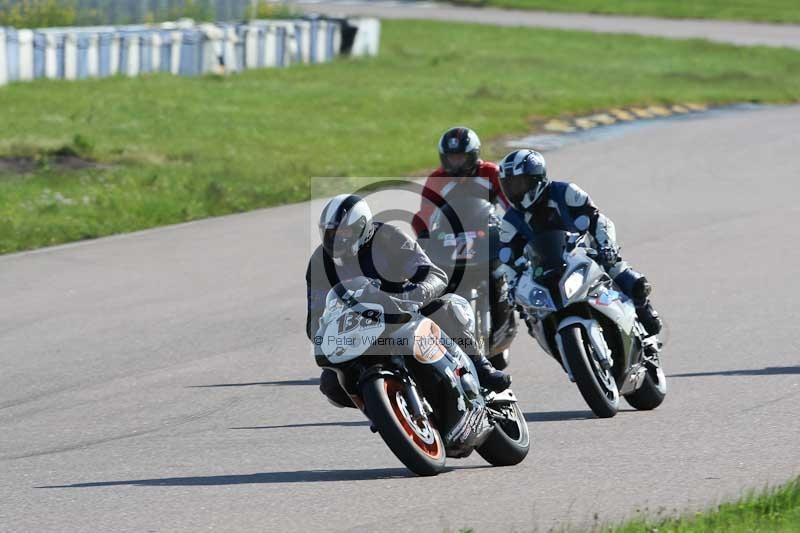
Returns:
(606,233)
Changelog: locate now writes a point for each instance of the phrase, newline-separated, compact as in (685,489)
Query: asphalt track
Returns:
(740,33)
(161,381)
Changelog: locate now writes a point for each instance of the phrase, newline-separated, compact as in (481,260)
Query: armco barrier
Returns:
(182,48)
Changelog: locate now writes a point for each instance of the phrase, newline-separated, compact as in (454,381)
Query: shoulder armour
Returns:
(574,196)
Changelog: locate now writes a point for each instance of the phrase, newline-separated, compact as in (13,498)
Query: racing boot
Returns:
(489,377)
(649,318)
(647,315)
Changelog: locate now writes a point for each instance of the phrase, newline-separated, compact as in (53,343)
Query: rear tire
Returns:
(652,392)
(509,442)
(601,395)
(420,449)
(499,361)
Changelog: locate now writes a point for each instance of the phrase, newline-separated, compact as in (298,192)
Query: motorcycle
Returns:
(573,310)
(417,387)
(472,250)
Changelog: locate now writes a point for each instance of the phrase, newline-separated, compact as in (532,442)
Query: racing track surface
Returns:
(161,381)
(732,32)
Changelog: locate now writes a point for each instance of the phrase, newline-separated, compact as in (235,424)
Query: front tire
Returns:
(509,442)
(419,447)
(652,392)
(597,386)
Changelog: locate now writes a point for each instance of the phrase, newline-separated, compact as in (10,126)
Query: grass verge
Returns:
(163,149)
(785,11)
(776,510)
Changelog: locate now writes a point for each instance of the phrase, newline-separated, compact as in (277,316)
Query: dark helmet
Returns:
(345,225)
(459,149)
(523,177)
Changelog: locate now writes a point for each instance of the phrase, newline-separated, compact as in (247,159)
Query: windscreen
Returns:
(547,250)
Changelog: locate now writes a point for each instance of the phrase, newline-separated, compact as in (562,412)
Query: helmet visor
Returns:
(516,187)
(459,164)
(338,241)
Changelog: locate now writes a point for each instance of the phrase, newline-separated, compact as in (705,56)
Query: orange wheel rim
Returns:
(432,446)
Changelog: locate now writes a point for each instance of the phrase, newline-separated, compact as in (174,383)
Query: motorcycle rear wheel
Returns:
(499,361)
(596,385)
(419,447)
(652,392)
(509,442)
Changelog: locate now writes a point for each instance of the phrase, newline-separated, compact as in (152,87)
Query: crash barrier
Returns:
(183,48)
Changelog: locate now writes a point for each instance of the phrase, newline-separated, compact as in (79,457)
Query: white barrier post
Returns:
(25,54)
(155,52)
(322,41)
(270,46)
(250,47)
(50,57)
(211,50)
(368,36)
(93,57)
(114,55)
(3,66)
(175,52)
(229,50)
(336,46)
(70,56)
(132,68)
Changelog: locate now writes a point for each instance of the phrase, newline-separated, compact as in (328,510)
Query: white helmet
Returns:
(523,177)
(345,225)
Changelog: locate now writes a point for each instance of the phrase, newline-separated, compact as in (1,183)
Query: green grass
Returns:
(776,510)
(755,10)
(176,149)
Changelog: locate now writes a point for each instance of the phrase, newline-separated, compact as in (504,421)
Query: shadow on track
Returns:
(311,425)
(558,416)
(768,371)
(299,476)
(288,382)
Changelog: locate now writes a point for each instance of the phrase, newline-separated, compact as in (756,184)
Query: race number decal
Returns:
(348,333)
(464,244)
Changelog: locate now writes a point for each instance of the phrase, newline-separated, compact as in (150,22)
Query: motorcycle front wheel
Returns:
(417,444)
(597,385)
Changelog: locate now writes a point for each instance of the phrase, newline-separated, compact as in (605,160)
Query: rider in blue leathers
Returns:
(539,204)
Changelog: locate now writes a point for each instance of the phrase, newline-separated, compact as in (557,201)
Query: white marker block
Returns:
(25,54)
(155,52)
(70,56)
(132,68)
(175,52)
(3,66)
(114,55)
(93,57)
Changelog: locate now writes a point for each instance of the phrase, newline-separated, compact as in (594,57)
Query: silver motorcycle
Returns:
(577,315)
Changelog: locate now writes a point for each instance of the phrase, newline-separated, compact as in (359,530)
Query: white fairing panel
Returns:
(617,307)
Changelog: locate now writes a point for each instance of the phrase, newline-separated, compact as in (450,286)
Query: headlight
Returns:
(539,299)
(573,282)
